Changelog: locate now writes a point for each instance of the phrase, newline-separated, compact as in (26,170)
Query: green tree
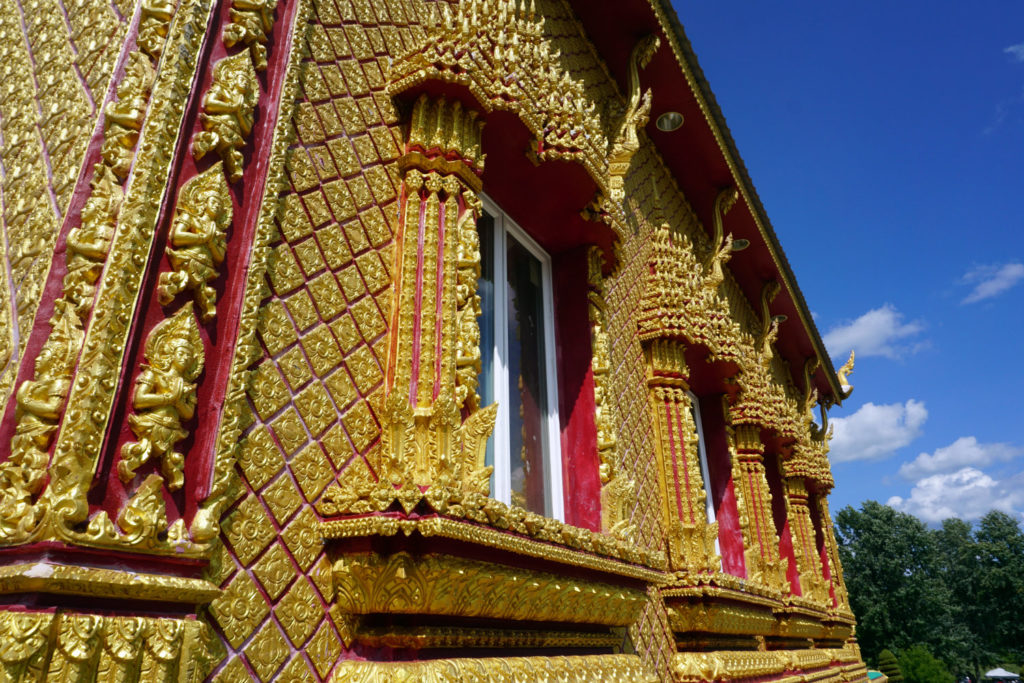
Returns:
(959,567)
(890,562)
(1000,587)
(919,666)
(890,666)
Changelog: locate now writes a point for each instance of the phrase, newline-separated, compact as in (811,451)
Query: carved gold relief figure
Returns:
(124,116)
(164,397)
(251,21)
(89,243)
(156,16)
(39,405)
(198,240)
(228,112)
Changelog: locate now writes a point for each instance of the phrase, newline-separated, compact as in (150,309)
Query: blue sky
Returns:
(886,140)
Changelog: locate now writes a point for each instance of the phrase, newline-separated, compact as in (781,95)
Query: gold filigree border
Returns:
(607,668)
(44,577)
(463,531)
(91,400)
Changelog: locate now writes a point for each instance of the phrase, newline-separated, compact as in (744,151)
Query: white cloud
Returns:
(876,431)
(876,333)
(967,493)
(1016,52)
(990,281)
(963,452)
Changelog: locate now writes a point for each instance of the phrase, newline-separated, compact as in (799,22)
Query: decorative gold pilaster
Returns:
(691,540)
(754,501)
(835,568)
(812,581)
(616,486)
(434,433)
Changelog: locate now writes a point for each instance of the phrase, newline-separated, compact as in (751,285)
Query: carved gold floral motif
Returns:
(76,648)
(739,665)
(610,668)
(439,584)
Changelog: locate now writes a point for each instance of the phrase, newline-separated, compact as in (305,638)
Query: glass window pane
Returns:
(485,289)
(527,383)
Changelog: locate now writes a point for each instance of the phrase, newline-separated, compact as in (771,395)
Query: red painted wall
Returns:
(771,468)
(580,477)
(723,494)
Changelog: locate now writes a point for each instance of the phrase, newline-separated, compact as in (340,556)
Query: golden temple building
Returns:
(398,340)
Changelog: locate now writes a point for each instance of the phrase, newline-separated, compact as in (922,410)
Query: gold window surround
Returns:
(431,476)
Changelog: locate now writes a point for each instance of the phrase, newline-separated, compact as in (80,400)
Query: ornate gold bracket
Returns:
(627,140)
(843,374)
(721,249)
(769,323)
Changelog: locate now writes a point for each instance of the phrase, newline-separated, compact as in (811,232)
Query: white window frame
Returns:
(552,437)
(705,474)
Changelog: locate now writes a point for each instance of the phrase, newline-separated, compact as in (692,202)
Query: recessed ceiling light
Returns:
(669,121)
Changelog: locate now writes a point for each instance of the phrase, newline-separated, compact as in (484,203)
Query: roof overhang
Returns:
(702,156)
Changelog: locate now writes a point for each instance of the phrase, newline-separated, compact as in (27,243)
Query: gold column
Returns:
(805,547)
(842,598)
(761,543)
(691,540)
(432,420)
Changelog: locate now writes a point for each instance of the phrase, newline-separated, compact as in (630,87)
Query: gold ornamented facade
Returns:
(277,406)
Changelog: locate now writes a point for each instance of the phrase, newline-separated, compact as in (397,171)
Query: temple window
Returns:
(517,345)
(709,502)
